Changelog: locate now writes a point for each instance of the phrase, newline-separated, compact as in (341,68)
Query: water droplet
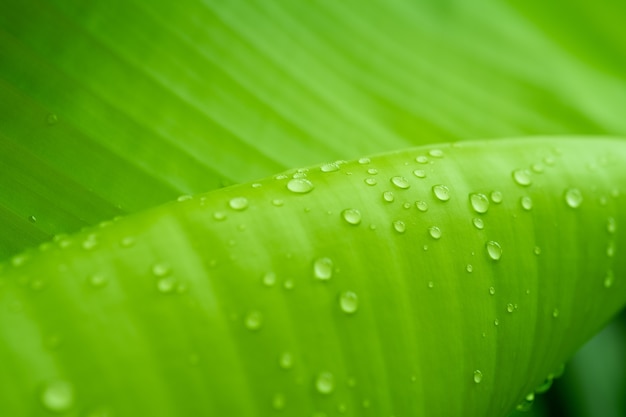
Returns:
(278,402)
(299,175)
(299,185)
(127,242)
(494,250)
(469,268)
(349,302)
(610,249)
(492,290)
(184,197)
(372,171)
(342,408)
(32,219)
(352,216)
(537,250)
(478,376)
(441,192)
(166,285)
(611,225)
(522,177)
(496,197)
(406,205)
(277,202)
(479,202)
(90,243)
(496,322)
(434,232)
(555,313)
(325,383)
(285,360)
(510,308)
(253,320)
(400,182)
(608,279)
(538,168)
(288,284)
(219,216)
(549,160)
(573,197)
(366,403)
(399,226)
(98,280)
(436,153)
(478,223)
(419,173)
(331,167)
(58,396)
(370,181)
(421,205)
(238,203)
(526,403)
(269,279)
(526,202)
(161,269)
(422,159)
(364,161)
(323,269)
(388,196)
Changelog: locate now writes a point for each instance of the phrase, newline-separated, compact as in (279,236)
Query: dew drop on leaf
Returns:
(400,182)
(97,280)
(434,232)
(610,249)
(219,216)
(58,396)
(52,119)
(573,197)
(611,225)
(494,250)
(161,269)
(388,196)
(555,313)
(370,181)
(478,376)
(364,161)
(510,308)
(492,290)
(278,402)
(300,185)
(436,153)
(253,320)
(352,216)
(421,205)
(422,159)
(479,202)
(331,167)
(478,223)
(269,279)
(348,302)
(496,197)
(526,203)
(522,177)
(325,383)
(323,269)
(419,173)
(399,226)
(127,242)
(608,279)
(285,360)
(441,192)
(166,285)
(238,203)
(372,171)
(277,202)
(469,268)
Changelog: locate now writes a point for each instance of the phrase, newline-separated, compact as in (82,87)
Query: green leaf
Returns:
(317,291)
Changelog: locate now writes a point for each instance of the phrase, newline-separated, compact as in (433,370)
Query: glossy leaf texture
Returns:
(431,281)
(112,107)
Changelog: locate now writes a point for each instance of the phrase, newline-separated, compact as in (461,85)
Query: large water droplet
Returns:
(494,250)
(526,203)
(325,383)
(421,205)
(573,197)
(496,197)
(399,226)
(238,203)
(479,202)
(388,196)
(522,177)
(478,376)
(348,302)
(285,360)
(58,396)
(352,216)
(253,320)
(323,269)
(434,232)
(400,182)
(441,192)
(299,185)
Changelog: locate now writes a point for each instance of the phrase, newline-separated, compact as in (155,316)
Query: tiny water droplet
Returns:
(90,243)
(406,205)
(400,182)
(555,313)
(288,284)
(325,383)
(538,168)
(526,203)
(549,160)
(399,226)
(610,249)
(372,171)
(510,308)
(492,290)
(127,242)
(219,216)
(161,269)
(269,279)
(469,268)
(441,192)
(52,119)
(608,279)
(166,285)
(331,167)
(364,161)
(300,185)
(349,302)
(285,360)
(478,376)
(253,320)
(496,322)
(238,203)
(352,216)
(388,196)
(479,202)
(421,205)
(522,177)
(58,396)
(371,181)
(32,219)
(436,153)
(496,197)
(494,250)
(431,284)
(434,232)
(277,202)
(323,269)
(419,173)
(611,225)
(422,159)
(184,197)
(573,197)
(278,402)
(366,403)
(478,223)
(98,280)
